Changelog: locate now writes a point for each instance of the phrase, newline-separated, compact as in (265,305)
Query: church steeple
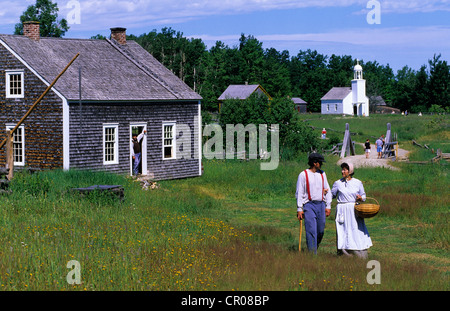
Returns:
(357,71)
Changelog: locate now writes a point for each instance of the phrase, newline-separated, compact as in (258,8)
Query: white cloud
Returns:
(140,12)
(398,36)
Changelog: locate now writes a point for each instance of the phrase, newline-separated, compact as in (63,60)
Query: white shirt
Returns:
(315,189)
(138,138)
(346,191)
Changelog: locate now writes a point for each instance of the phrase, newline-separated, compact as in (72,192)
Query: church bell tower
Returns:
(360,101)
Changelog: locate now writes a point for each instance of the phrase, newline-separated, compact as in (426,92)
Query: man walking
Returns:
(313,200)
(136,151)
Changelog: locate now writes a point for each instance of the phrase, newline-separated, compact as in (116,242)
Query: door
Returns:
(135,130)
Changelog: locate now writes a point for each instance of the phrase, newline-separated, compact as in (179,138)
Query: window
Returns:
(169,141)
(110,144)
(14,84)
(18,145)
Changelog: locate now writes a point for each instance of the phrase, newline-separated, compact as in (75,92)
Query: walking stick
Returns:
(300,238)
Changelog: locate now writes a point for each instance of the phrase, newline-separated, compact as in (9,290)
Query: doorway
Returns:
(355,110)
(135,130)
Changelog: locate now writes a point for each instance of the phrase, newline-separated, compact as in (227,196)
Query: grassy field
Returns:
(235,228)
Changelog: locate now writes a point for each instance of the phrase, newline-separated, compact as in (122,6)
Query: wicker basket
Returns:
(367,210)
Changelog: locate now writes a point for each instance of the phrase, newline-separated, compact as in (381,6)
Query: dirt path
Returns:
(372,161)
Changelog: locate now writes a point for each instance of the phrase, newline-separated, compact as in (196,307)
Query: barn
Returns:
(113,89)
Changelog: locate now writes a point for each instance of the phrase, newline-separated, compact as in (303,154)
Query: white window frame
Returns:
(21,128)
(114,126)
(8,74)
(174,140)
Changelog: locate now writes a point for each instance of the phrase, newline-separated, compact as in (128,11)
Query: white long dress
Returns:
(351,230)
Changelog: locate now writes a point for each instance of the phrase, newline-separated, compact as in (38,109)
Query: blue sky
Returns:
(410,32)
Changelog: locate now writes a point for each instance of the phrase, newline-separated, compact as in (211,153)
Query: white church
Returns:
(348,100)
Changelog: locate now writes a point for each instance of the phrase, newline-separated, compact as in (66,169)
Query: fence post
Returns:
(9,155)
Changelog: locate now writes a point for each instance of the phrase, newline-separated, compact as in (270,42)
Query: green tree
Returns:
(275,76)
(294,135)
(310,77)
(439,82)
(253,56)
(46,13)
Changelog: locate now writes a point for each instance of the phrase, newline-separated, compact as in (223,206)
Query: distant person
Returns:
(379,144)
(324,133)
(313,200)
(136,151)
(352,237)
(367,148)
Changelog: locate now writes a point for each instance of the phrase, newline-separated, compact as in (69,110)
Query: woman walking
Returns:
(351,231)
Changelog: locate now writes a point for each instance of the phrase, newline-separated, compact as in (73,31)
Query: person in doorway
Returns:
(313,200)
(379,144)
(367,148)
(352,237)
(136,151)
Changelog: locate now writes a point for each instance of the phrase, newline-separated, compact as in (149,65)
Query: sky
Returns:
(395,33)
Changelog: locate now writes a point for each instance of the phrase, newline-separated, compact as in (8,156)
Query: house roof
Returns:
(337,93)
(298,100)
(241,91)
(110,71)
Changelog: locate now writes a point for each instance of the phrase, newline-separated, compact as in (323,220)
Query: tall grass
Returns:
(235,228)
(190,235)
(406,128)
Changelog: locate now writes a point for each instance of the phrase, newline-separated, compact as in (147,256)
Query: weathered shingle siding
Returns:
(86,149)
(43,128)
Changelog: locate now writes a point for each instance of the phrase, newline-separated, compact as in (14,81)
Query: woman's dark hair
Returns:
(345,165)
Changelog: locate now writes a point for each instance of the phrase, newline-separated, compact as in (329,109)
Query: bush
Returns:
(294,135)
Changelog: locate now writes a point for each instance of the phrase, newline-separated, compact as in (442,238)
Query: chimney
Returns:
(119,34)
(31,29)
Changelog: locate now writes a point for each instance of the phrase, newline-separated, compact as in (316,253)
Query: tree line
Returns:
(308,75)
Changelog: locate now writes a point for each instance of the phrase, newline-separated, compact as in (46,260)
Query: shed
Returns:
(242,91)
(299,104)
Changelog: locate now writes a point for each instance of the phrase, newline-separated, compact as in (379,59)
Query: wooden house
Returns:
(242,91)
(86,121)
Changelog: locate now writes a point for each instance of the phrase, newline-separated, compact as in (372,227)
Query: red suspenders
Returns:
(307,185)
